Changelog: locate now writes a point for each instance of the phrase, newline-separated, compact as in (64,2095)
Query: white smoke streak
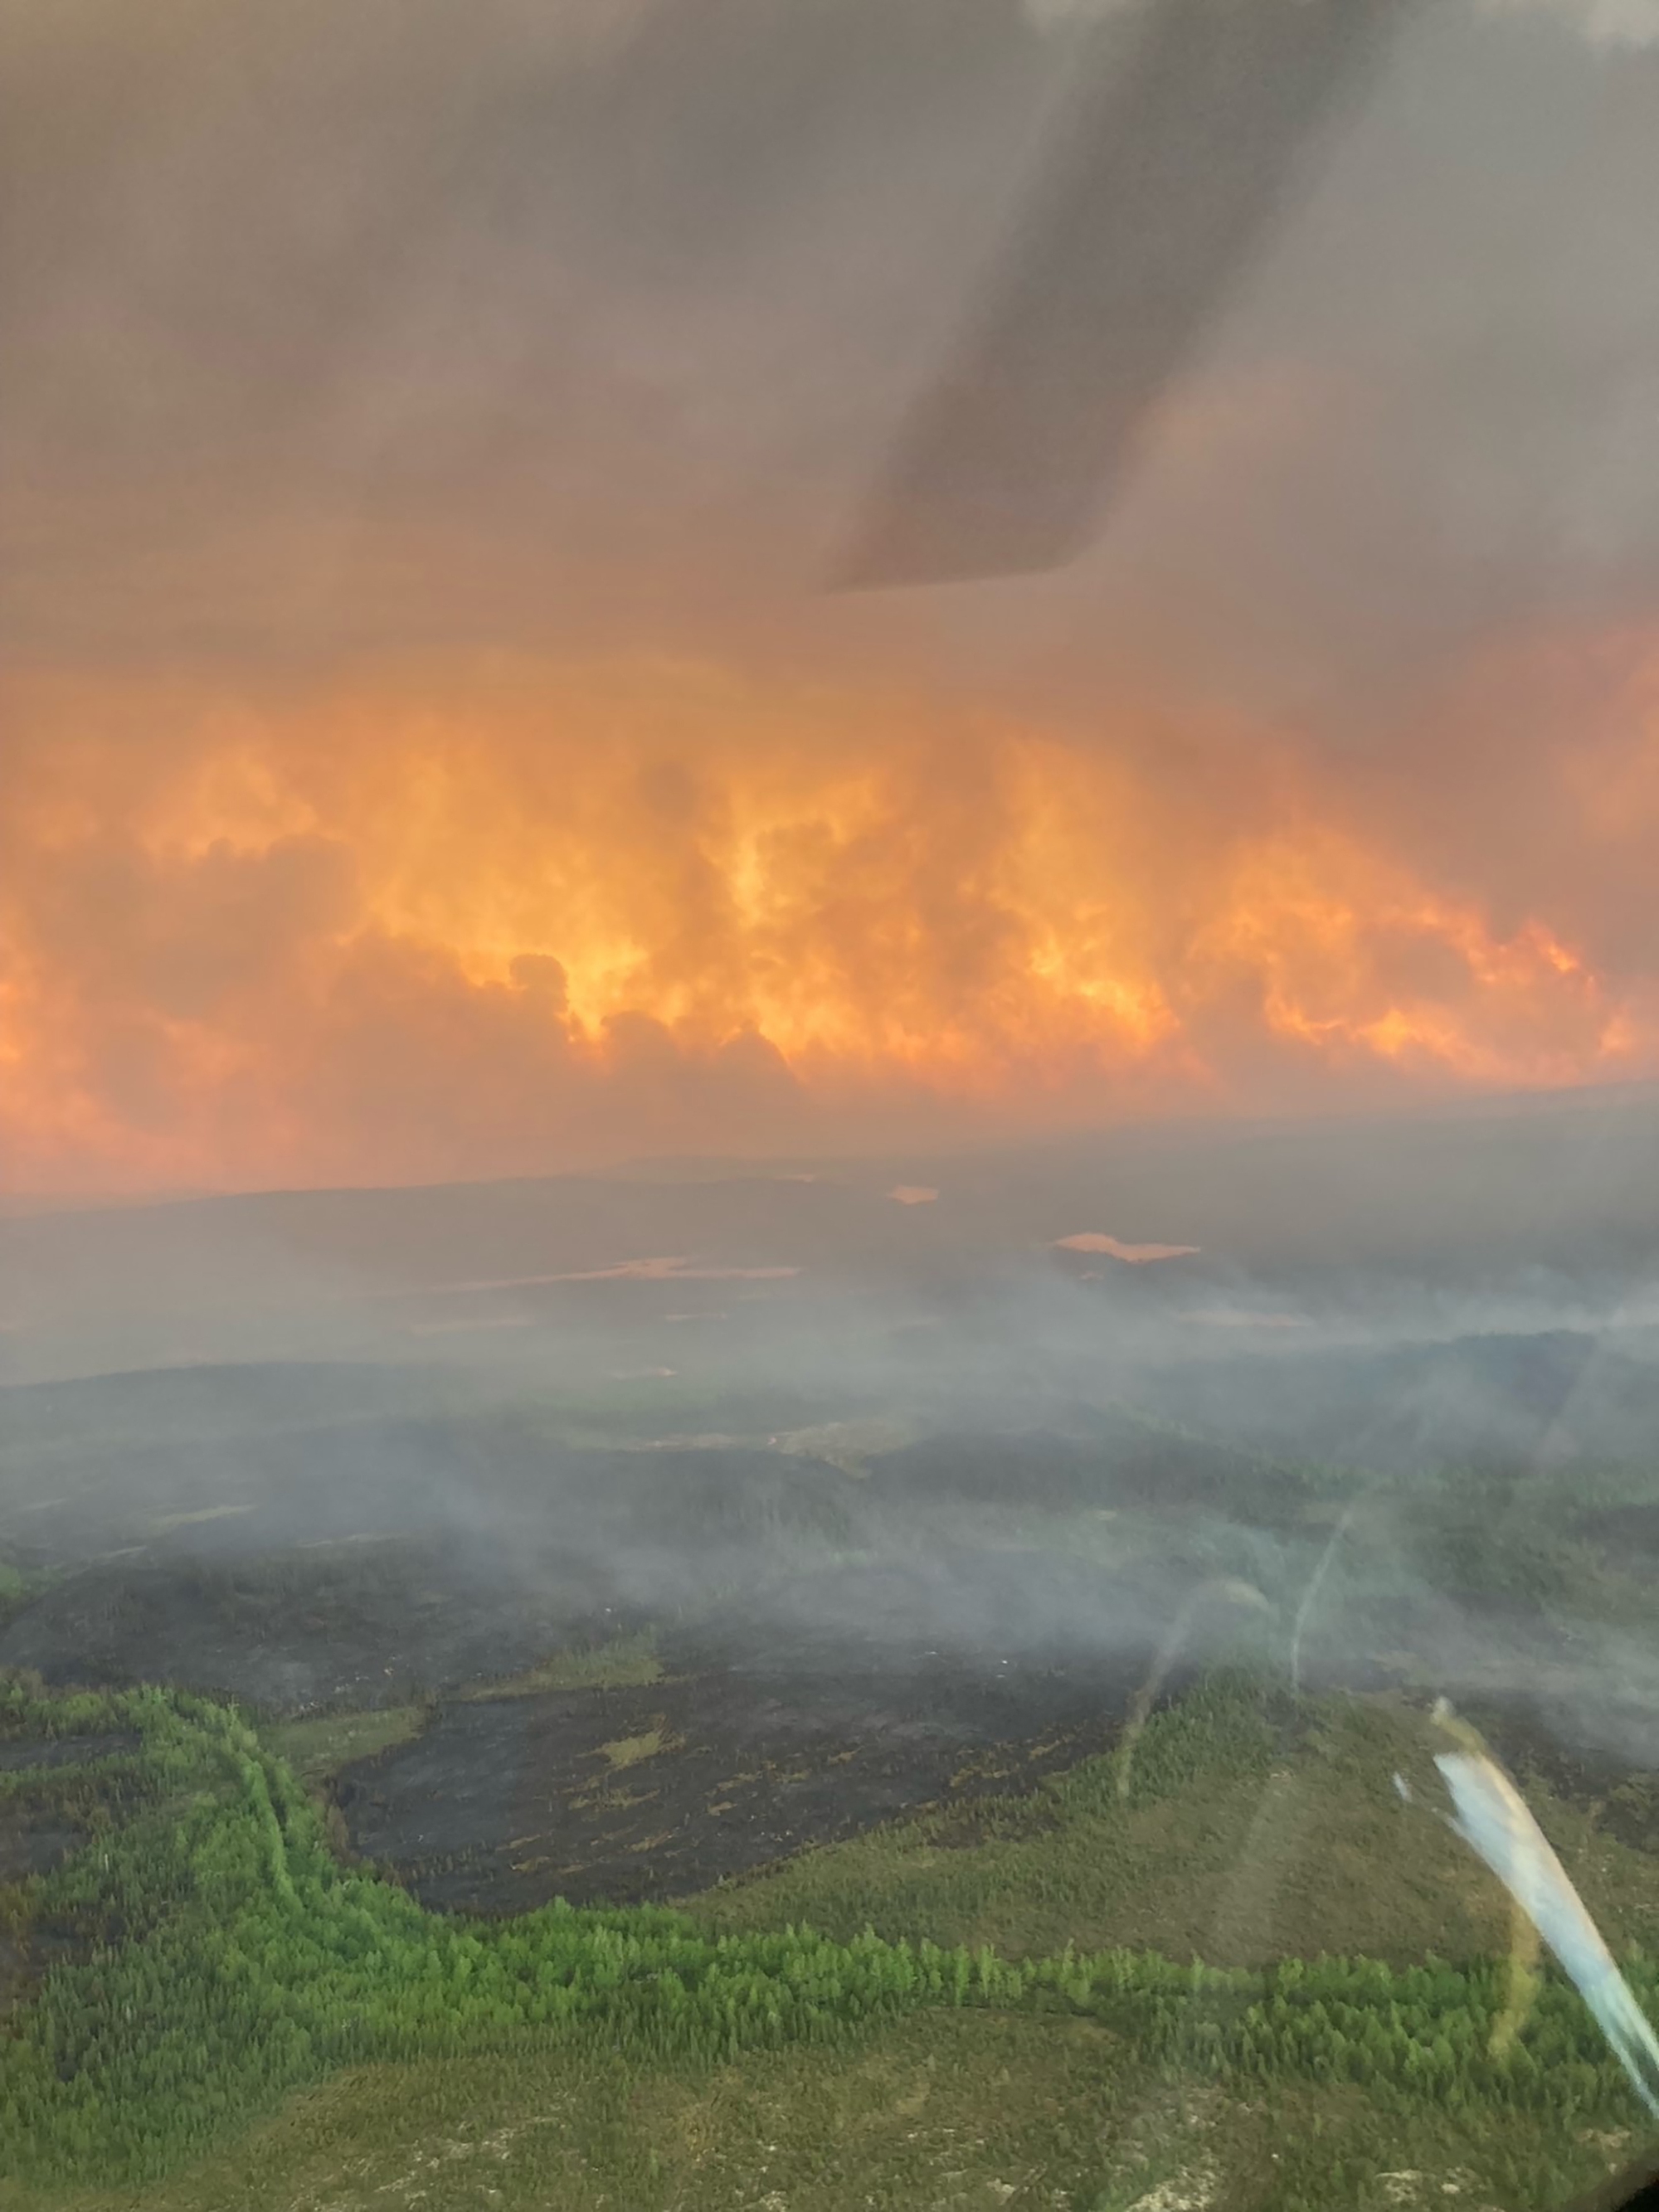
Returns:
(1310,1594)
(1055,15)
(1608,23)
(1611,24)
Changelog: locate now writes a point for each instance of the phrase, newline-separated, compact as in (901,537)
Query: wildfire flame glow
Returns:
(412,928)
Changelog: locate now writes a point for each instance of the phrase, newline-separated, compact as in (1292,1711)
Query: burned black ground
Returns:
(854,1620)
(739,1756)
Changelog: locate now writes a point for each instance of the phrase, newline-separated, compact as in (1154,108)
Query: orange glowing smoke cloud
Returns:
(551,916)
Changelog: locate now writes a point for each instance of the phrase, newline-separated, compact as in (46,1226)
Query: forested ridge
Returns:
(204,1953)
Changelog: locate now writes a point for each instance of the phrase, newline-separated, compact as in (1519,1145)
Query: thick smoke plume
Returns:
(428,752)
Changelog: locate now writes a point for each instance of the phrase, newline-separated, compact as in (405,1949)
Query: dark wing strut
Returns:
(1173,164)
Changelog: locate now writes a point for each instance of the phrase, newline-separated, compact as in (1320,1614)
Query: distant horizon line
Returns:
(783,1166)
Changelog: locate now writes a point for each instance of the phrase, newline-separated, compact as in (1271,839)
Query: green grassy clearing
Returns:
(317,1748)
(625,1663)
(624,1751)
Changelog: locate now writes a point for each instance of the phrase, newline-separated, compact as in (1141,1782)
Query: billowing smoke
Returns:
(420,461)
(1611,24)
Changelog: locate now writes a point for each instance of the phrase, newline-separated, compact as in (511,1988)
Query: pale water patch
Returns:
(1135,1255)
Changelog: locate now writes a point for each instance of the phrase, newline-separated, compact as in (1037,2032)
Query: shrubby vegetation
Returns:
(622,1662)
(226,1958)
(17,1586)
(318,1746)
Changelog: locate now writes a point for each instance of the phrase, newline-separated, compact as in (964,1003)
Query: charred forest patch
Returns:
(56,1796)
(367,1624)
(737,1758)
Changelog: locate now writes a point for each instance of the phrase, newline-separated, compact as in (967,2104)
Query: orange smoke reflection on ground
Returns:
(530,913)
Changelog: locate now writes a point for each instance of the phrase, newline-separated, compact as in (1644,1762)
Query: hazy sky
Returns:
(427,748)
